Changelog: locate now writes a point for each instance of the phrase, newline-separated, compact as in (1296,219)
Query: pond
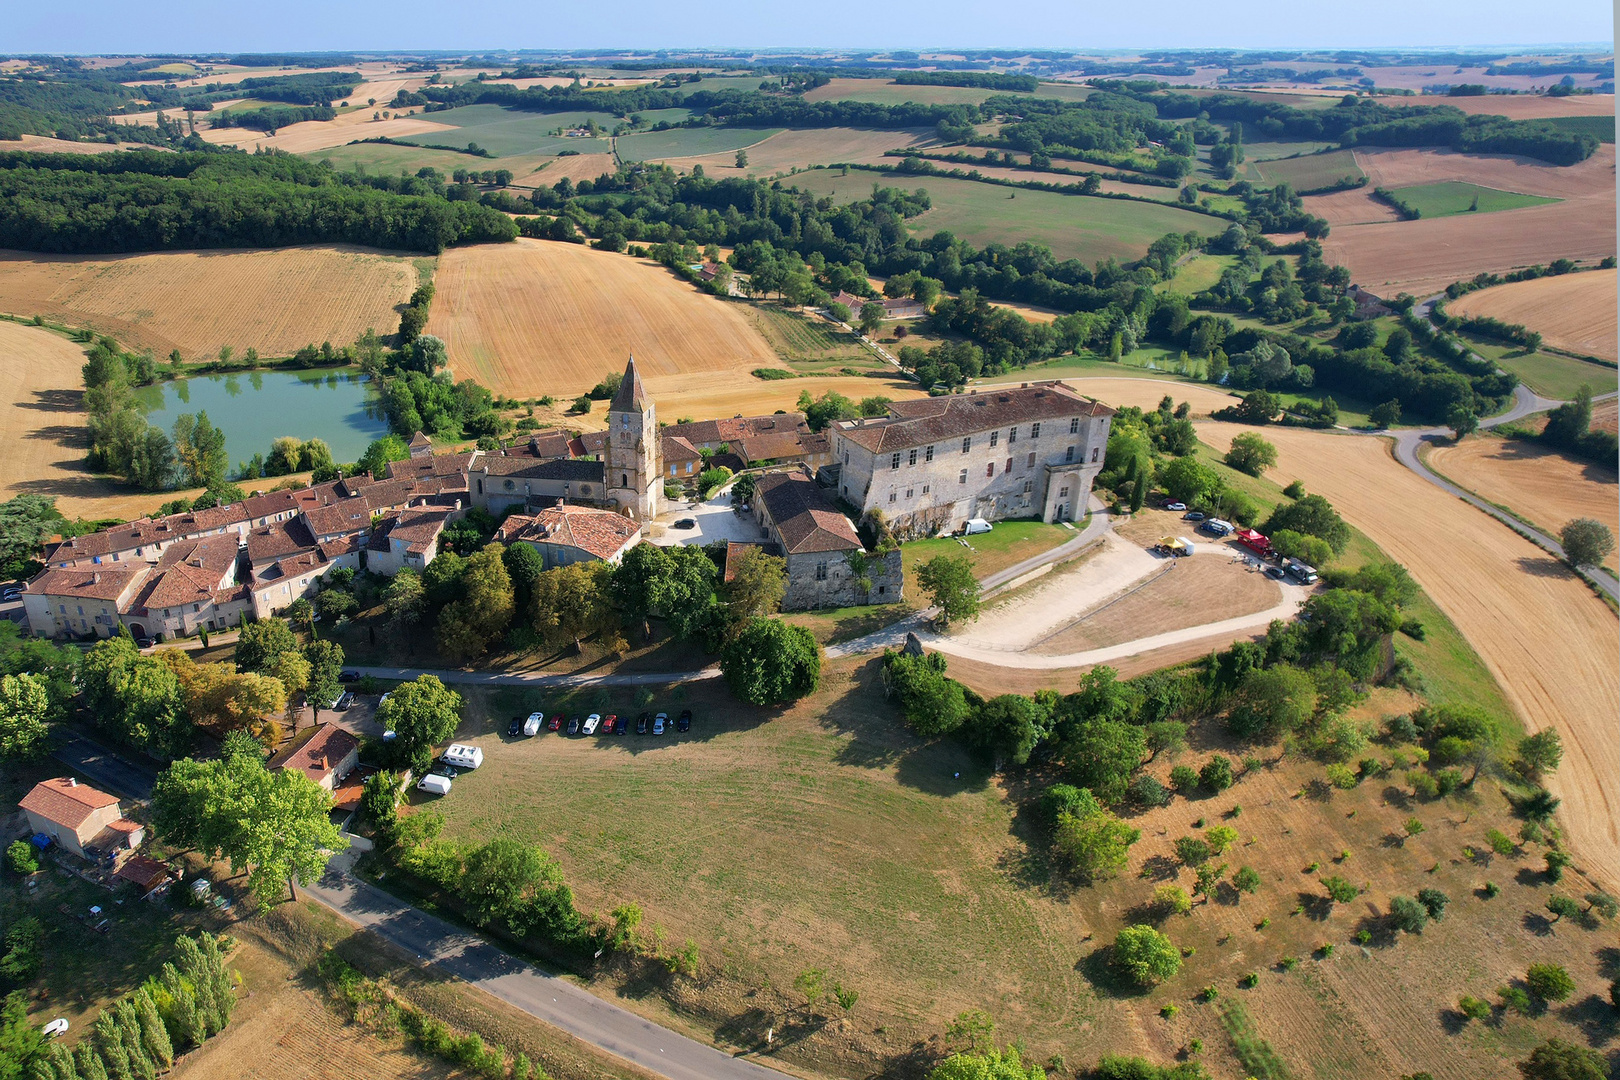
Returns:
(255,408)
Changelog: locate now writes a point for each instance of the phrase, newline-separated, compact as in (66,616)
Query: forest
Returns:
(150,201)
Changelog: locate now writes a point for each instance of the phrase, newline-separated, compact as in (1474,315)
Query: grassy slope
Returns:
(1548,374)
(1310,171)
(1450,197)
(508,132)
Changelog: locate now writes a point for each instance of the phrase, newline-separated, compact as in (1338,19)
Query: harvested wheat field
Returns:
(743,395)
(534,317)
(311,135)
(1573,312)
(1426,255)
(549,170)
(1146,393)
(1518,106)
(1540,485)
(1353,207)
(275,301)
(1606,416)
(1549,642)
(789,150)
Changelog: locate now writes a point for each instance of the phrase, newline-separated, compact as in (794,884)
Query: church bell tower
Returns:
(632,449)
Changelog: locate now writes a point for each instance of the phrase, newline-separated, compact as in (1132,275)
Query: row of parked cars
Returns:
(596,723)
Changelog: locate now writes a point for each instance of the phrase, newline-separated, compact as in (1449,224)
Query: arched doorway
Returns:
(137,630)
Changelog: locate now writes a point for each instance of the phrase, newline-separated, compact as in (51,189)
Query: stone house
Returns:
(564,534)
(76,602)
(409,539)
(1030,451)
(821,547)
(80,818)
(326,756)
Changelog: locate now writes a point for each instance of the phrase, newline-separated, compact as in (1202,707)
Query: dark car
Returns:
(556,723)
(623,728)
(1193,515)
(641,723)
(573,726)
(348,675)
(685,523)
(515,727)
(1274,572)
(343,702)
(684,723)
(144,643)
(10,594)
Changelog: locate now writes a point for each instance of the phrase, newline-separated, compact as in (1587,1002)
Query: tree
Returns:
(1008,726)
(1434,902)
(988,1064)
(1220,838)
(1549,981)
(1308,549)
(325,666)
(1216,775)
(421,714)
(1407,915)
(1312,515)
(136,698)
(1272,702)
(1562,907)
(1190,481)
(1102,754)
(1091,842)
(22,857)
(1541,753)
(951,587)
(1145,955)
(405,600)
(1192,851)
(771,662)
(1461,420)
(379,801)
(742,159)
(199,448)
(756,586)
(1251,454)
(25,703)
(812,983)
(26,522)
(1245,880)
(871,318)
(1556,1059)
(20,1040)
(501,879)
(470,624)
(1586,542)
(1386,415)
(275,825)
(1171,900)
(260,643)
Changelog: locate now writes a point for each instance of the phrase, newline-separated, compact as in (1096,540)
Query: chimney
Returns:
(95,578)
(560,504)
(324,765)
(72,782)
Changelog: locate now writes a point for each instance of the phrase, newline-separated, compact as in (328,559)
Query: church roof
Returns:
(631,395)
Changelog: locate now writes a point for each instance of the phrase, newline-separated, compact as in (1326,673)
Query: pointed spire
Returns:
(631,395)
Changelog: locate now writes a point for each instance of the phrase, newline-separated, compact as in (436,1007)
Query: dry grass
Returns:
(1574,312)
(275,301)
(1426,255)
(743,395)
(549,170)
(1516,107)
(1505,595)
(1353,207)
(1606,416)
(534,317)
(789,150)
(1146,393)
(1538,484)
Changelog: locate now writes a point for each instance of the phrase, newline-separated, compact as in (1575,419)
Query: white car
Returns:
(56,1027)
(659,722)
(590,723)
(531,726)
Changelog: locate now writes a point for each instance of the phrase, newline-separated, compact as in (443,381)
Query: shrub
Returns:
(1184,779)
(1500,842)
(1245,880)
(1434,902)
(1340,890)
(1474,1008)
(1147,791)
(1249,981)
(22,857)
(1424,786)
(1192,851)
(1517,1000)
(1145,955)
(1171,900)
(1556,861)
(1220,838)
(1295,490)
(1216,775)
(1342,777)
(1491,890)
(1549,982)
(1408,915)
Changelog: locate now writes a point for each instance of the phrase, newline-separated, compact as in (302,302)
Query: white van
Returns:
(975,525)
(434,784)
(464,757)
(531,726)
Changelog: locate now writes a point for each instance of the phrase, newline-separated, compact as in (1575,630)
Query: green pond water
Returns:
(255,408)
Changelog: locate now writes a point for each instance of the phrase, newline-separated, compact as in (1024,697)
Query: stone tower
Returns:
(632,449)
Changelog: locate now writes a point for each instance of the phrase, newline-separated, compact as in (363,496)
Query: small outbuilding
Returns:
(143,873)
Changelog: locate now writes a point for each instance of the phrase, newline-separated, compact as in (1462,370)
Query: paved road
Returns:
(116,774)
(547,997)
(533,679)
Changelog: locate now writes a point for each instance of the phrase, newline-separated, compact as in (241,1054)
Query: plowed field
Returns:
(275,301)
(1575,312)
(535,317)
(1549,642)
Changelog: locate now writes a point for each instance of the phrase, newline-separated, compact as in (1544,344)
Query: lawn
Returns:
(1456,197)
(1548,374)
(1148,362)
(510,132)
(689,142)
(1310,171)
(387,160)
(1272,151)
(797,338)
(1199,273)
(1599,127)
(1073,226)
(1008,543)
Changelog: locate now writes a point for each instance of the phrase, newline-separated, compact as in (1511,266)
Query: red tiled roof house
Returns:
(78,816)
(328,755)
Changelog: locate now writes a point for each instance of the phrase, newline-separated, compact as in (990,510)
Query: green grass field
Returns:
(797,338)
(1073,226)
(1198,274)
(1600,127)
(1548,374)
(380,158)
(1309,171)
(1271,151)
(689,142)
(717,83)
(508,132)
(1456,197)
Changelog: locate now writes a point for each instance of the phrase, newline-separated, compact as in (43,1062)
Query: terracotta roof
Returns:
(772,447)
(319,754)
(804,517)
(338,519)
(676,448)
(66,802)
(87,584)
(437,465)
(902,305)
(602,533)
(850,301)
(147,873)
(551,443)
(417,529)
(631,395)
(736,427)
(269,542)
(419,441)
(915,422)
(289,566)
(557,469)
(594,442)
(189,573)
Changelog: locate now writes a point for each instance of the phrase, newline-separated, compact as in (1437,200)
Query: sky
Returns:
(117,26)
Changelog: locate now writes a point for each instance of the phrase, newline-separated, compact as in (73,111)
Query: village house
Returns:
(565,534)
(1030,451)
(327,755)
(827,565)
(81,819)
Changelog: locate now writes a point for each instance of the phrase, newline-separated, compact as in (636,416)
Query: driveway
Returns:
(547,997)
(716,522)
(105,768)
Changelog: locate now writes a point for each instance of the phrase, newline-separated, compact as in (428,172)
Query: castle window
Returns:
(1031,461)
(1008,468)
(967,444)
(1094,453)
(913,459)
(1012,435)
(925,489)
(624,479)
(1074,425)
(962,479)
(892,496)
(509,485)
(928,454)
(1034,431)
(1029,486)
(994,435)
(821,571)
(1063,493)
(990,469)
(894,462)
(910,492)
(1068,453)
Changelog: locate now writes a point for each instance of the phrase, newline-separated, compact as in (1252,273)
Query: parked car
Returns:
(624,727)
(641,723)
(974,526)
(573,726)
(1193,515)
(531,726)
(1274,572)
(1178,506)
(591,723)
(608,723)
(685,523)
(658,723)
(348,675)
(344,700)
(56,1027)
(684,722)
(514,727)
(462,756)
(556,722)
(144,642)
(10,593)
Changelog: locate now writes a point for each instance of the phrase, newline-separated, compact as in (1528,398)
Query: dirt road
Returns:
(1550,643)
